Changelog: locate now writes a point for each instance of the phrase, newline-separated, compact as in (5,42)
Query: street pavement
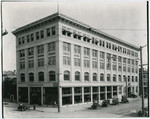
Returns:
(123,110)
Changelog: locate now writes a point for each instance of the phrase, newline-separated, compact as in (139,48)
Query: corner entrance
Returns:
(50,95)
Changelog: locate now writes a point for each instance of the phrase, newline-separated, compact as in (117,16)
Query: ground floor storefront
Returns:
(69,95)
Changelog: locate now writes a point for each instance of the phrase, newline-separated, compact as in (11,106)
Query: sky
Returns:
(124,20)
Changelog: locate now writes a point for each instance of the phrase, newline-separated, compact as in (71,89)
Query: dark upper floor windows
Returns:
(53,30)
(22,53)
(48,33)
(66,47)
(51,47)
(42,33)
(37,35)
(87,51)
(30,51)
(40,49)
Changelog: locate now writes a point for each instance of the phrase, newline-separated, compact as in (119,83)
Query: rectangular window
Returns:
(48,32)
(86,63)
(94,64)
(128,69)
(52,60)
(23,40)
(128,61)
(102,55)
(37,35)
(77,62)
(30,63)
(86,51)
(22,65)
(32,37)
(28,38)
(66,60)
(22,53)
(30,51)
(124,60)
(132,69)
(77,49)
(132,62)
(42,33)
(41,62)
(124,68)
(40,49)
(119,59)
(51,47)
(66,47)
(94,53)
(119,68)
(19,41)
(102,66)
(114,67)
(53,30)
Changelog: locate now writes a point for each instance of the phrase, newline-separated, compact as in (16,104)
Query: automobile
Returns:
(95,105)
(124,99)
(105,103)
(145,112)
(115,101)
(23,107)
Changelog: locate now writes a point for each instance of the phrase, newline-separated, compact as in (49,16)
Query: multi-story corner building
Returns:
(145,82)
(88,64)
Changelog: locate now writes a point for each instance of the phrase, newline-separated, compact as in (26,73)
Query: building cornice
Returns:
(74,22)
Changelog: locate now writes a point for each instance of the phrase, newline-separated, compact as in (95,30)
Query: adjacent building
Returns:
(85,63)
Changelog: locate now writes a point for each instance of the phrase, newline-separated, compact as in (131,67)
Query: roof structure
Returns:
(78,23)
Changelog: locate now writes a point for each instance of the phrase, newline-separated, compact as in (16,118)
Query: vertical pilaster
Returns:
(105,92)
(46,63)
(35,64)
(91,94)
(82,94)
(98,66)
(82,64)
(73,95)
(42,95)
(112,91)
(98,92)
(28,95)
(60,101)
(26,65)
(91,64)
(72,63)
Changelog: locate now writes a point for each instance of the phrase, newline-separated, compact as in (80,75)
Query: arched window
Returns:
(108,77)
(132,78)
(22,76)
(66,75)
(41,76)
(128,78)
(77,76)
(114,77)
(124,78)
(52,76)
(101,77)
(119,77)
(31,77)
(94,77)
(86,76)
(136,79)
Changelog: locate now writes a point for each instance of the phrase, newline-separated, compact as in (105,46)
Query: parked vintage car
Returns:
(124,99)
(23,107)
(95,105)
(105,103)
(115,101)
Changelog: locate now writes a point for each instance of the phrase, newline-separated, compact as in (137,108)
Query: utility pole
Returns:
(142,80)
(58,91)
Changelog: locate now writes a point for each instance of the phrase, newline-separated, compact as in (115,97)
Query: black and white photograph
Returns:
(74,59)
